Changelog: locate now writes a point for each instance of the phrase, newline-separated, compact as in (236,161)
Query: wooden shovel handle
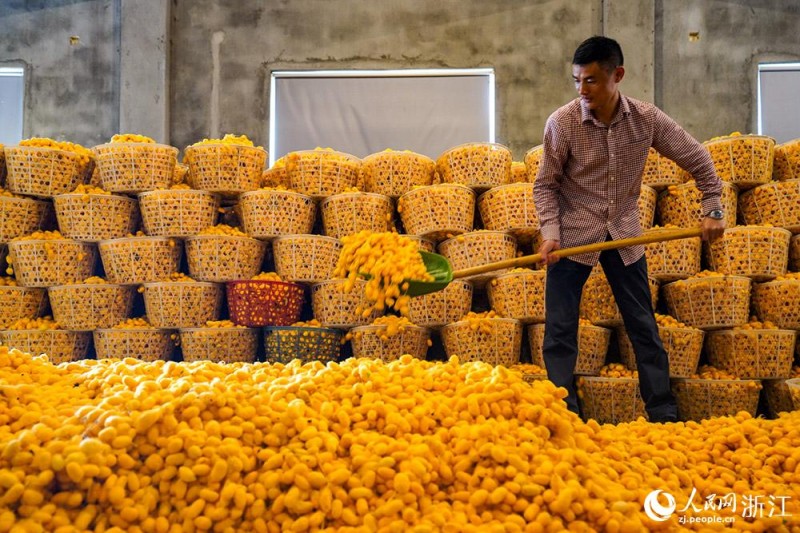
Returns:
(648,237)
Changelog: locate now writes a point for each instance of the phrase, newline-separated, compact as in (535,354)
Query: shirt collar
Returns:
(623,110)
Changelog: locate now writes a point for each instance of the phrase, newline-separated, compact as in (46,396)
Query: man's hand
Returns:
(712,229)
(545,249)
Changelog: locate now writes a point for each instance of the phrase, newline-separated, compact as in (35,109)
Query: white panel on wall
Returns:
(779,101)
(365,111)
(12,94)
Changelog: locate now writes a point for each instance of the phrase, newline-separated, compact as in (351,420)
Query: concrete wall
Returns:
(213,77)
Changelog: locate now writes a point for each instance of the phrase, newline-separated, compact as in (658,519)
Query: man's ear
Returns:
(619,73)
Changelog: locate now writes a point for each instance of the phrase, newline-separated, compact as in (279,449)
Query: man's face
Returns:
(596,86)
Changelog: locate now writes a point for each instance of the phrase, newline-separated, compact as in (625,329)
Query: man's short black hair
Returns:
(603,50)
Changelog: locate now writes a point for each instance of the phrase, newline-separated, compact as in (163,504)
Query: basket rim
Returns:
(156,284)
(692,184)
(474,233)
(201,192)
(333,152)
(401,153)
(40,149)
(229,284)
(538,147)
(705,278)
(539,273)
(238,146)
(49,330)
(755,227)
(268,329)
(792,382)
(282,192)
(225,237)
(137,330)
(372,327)
(339,195)
(112,144)
(17,287)
(789,143)
(238,329)
(734,331)
(608,380)
(460,323)
(138,238)
(39,241)
(519,184)
(418,190)
(728,138)
(770,184)
(17,198)
(705,380)
(127,199)
(306,236)
(493,146)
(90,285)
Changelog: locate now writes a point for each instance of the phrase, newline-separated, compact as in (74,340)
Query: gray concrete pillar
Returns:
(632,24)
(144,68)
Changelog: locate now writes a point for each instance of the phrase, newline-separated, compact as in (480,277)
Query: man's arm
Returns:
(546,187)
(675,143)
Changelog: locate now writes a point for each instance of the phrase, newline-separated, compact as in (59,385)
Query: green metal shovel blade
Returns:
(437,266)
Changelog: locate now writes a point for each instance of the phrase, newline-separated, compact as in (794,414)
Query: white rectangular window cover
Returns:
(365,111)
(779,100)
(12,93)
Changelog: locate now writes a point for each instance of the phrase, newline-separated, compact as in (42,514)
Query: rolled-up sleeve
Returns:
(548,181)
(675,143)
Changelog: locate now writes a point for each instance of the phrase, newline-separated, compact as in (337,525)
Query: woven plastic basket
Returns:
(224,257)
(442,307)
(283,344)
(84,307)
(778,302)
(60,345)
(44,263)
(320,173)
(395,173)
(335,308)
(173,305)
(647,206)
(745,160)
(20,302)
(681,205)
(135,260)
(786,165)
(778,397)
(683,346)
(794,254)
(708,303)
(794,391)
(660,172)
(178,212)
(479,248)
(701,399)
(519,174)
(348,213)
(476,165)
(673,260)
(306,258)
(610,400)
(256,303)
(371,341)
(760,253)
(146,344)
(592,347)
(500,346)
(425,245)
(510,208)
(533,159)
(773,204)
(518,295)
(269,213)
(135,167)
(275,177)
(752,353)
(22,216)
(41,171)
(221,345)
(598,304)
(438,211)
(227,169)
(96,217)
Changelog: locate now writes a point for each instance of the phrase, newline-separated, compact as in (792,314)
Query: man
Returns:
(587,190)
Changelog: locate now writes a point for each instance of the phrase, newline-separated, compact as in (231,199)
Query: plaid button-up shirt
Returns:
(590,174)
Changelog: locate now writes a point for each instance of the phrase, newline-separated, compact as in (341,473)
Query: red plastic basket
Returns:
(256,303)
